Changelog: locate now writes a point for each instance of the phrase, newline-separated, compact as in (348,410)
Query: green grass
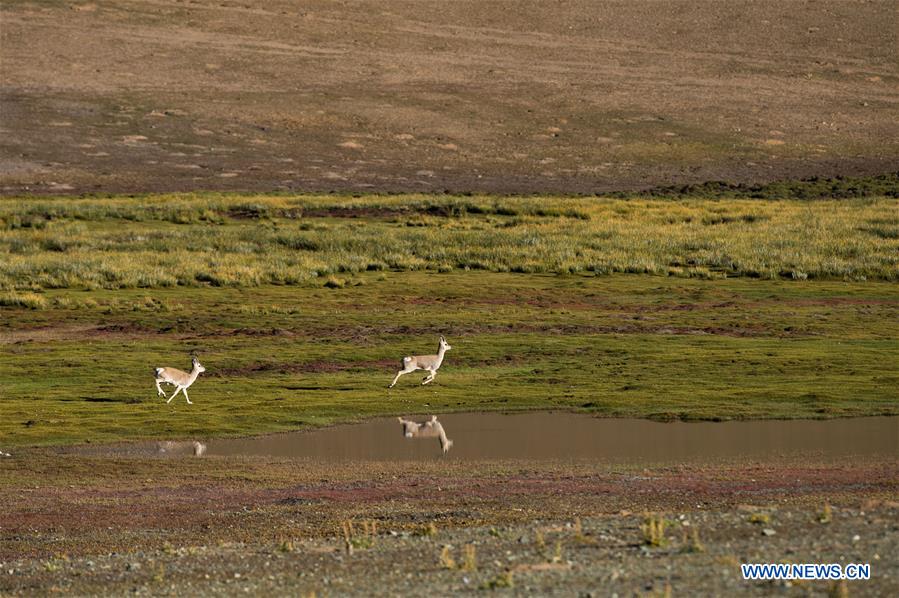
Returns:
(79,367)
(248,241)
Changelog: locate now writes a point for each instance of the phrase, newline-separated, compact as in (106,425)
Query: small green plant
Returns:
(540,540)
(51,566)
(691,541)
(653,529)
(286,545)
(826,514)
(469,558)
(579,533)
(760,518)
(353,540)
(426,531)
(347,528)
(557,553)
(503,580)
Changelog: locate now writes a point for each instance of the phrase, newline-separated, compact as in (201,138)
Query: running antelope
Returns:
(429,429)
(180,380)
(424,362)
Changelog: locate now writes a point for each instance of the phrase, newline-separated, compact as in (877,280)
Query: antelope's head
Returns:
(197,365)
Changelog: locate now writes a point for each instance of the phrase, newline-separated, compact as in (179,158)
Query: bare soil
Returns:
(386,95)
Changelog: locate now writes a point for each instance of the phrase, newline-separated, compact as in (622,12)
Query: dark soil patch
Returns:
(127,328)
(354,212)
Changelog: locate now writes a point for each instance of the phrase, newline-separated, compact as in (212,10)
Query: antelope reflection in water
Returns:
(428,429)
(174,447)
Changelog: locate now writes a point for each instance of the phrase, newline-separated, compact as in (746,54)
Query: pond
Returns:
(556,435)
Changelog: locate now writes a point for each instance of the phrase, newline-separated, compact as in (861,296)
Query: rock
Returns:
(768,532)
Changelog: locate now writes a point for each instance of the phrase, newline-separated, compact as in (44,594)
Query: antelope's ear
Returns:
(400,419)
(443,339)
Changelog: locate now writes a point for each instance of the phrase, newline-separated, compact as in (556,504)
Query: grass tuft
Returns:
(760,518)
(469,558)
(446,558)
(354,539)
(26,300)
(502,580)
(653,530)
(691,542)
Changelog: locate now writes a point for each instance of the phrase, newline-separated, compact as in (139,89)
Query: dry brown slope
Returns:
(490,96)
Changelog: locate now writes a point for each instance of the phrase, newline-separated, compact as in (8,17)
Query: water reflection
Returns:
(542,435)
(183,447)
(429,429)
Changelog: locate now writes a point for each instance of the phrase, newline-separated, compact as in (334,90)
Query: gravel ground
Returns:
(203,526)
(605,556)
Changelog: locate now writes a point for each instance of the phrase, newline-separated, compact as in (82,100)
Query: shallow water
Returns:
(543,435)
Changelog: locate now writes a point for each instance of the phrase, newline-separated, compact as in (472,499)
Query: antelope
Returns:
(180,380)
(424,362)
(429,429)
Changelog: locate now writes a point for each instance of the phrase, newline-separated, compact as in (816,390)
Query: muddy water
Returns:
(573,436)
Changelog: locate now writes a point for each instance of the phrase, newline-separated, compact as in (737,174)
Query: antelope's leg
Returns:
(177,389)
(398,374)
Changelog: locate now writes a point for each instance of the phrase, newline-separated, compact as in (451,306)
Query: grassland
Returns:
(199,240)
(300,307)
